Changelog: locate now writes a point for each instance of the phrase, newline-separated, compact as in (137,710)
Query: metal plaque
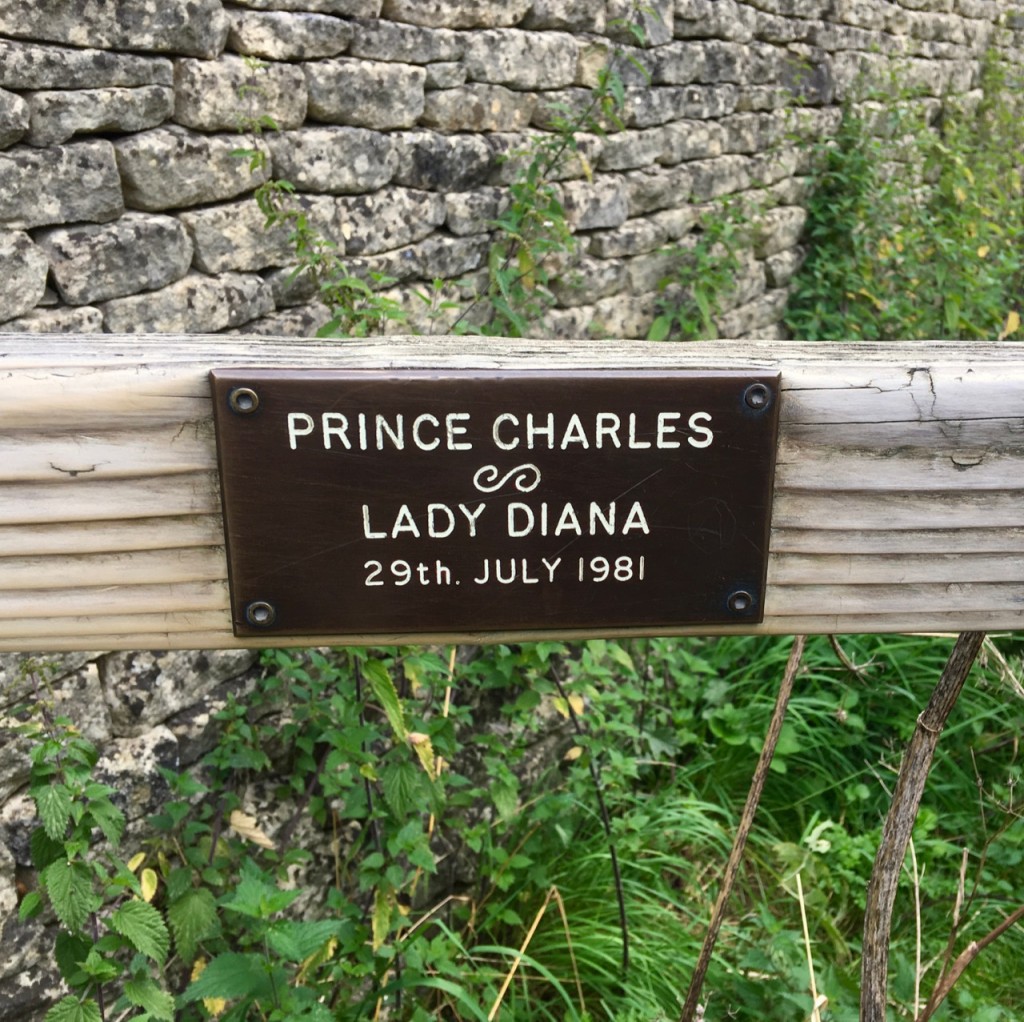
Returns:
(373,502)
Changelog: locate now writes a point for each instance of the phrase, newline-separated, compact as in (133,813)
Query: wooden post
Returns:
(899,496)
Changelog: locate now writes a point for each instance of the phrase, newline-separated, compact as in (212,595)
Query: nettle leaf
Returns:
(403,790)
(45,849)
(69,885)
(70,1009)
(108,818)
(296,941)
(230,976)
(69,950)
(143,926)
(192,917)
(53,803)
(384,691)
(145,992)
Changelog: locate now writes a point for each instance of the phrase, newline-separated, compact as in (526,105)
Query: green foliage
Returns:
(915,223)
(703,278)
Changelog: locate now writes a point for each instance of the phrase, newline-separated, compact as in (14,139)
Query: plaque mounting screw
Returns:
(260,614)
(740,601)
(757,396)
(243,400)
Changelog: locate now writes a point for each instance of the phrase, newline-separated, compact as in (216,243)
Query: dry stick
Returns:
(969,953)
(746,822)
(899,825)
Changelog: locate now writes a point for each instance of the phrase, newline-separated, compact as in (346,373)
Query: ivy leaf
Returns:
(192,917)
(53,803)
(384,691)
(144,992)
(69,885)
(70,1009)
(143,926)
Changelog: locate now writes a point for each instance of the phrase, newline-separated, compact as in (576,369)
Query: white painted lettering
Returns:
(551,566)
(533,430)
(299,424)
(636,519)
(471,517)
(417,438)
(607,424)
(404,522)
(396,433)
(327,421)
(568,522)
(634,443)
(664,428)
(367,531)
(453,429)
(509,445)
(574,433)
(436,530)
(607,521)
(520,519)
(706,435)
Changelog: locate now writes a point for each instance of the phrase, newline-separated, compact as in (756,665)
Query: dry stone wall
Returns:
(125,207)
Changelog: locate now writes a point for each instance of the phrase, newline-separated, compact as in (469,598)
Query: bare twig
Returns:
(857,670)
(899,824)
(743,831)
(815,1012)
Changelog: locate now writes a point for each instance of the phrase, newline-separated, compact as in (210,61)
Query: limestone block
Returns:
(600,203)
(753,132)
(37,66)
(773,29)
(365,93)
(442,163)
(14,118)
(457,13)
(714,19)
(345,8)
(196,304)
(815,10)
(233,236)
(627,150)
(520,59)
(221,95)
(517,150)
(678,63)
(62,184)
(626,316)
(724,61)
(23,269)
(388,219)
(171,168)
(633,237)
(299,321)
(764,312)
(722,175)
(652,106)
(57,115)
(781,268)
(778,229)
(676,222)
(442,258)
(84,319)
(773,65)
(474,212)
(689,140)
(587,280)
(632,65)
(197,28)
(764,97)
(285,35)
(147,688)
(657,188)
(290,285)
(131,766)
(337,160)
(410,44)
(444,75)
(654,20)
(478,107)
(138,252)
(567,16)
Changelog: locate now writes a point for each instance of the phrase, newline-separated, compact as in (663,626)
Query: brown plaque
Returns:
(368,502)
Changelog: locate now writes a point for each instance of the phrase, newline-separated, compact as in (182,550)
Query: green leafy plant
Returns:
(112,944)
(915,223)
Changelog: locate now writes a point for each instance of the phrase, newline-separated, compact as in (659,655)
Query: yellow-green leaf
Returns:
(1011,326)
(149,884)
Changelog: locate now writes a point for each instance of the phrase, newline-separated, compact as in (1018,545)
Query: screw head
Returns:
(260,614)
(757,396)
(243,400)
(740,601)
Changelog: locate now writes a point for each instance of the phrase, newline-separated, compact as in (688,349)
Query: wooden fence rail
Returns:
(898,502)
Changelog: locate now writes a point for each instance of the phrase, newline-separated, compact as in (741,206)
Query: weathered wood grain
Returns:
(899,499)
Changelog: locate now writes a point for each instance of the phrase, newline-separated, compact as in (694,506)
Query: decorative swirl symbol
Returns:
(527,478)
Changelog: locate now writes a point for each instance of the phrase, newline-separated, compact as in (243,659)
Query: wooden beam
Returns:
(899,496)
